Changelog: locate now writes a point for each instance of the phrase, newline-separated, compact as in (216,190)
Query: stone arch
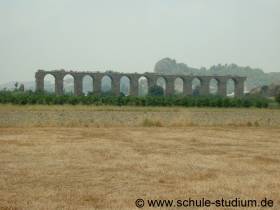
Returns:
(87,84)
(196,86)
(230,87)
(49,83)
(214,86)
(162,82)
(143,86)
(68,84)
(179,86)
(106,84)
(125,82)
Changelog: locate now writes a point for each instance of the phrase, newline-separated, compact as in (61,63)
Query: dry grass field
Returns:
(108,116)
(105,158)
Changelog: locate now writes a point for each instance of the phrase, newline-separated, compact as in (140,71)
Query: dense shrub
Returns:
(22,98)
(156,91)
(278,98)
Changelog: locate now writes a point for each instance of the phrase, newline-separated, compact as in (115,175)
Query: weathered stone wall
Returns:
(134,85)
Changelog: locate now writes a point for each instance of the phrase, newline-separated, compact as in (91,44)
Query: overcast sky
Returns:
(132,35)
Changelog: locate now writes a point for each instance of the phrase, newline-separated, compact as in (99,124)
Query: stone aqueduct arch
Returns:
(134,77)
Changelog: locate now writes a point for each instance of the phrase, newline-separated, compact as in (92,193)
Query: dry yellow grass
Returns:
(108,116)
(110,167)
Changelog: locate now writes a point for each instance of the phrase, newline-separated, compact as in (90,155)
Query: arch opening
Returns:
(87,85)
(213,86)
(230,88)
(246,90)
(49,83)
(106,84)
(178,86)
(196,85)
(68,84)
(162,83)
(143,87)
(125,85)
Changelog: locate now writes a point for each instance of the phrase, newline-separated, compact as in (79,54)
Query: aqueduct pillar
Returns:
(39,76)
(134,86)
(204,89)
(170,86)
(97,84)
(78,84)
(115,85)
(239,87)
(187,87)
(151,81)
(59,84)
(222,87)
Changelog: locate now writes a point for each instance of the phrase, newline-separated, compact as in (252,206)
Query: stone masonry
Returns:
(134,84)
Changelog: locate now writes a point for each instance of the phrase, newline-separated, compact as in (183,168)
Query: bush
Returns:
(278,98)
(156,91)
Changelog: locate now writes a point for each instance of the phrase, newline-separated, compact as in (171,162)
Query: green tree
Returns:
(196,91)
(156,91)
(16,85)
(278,98)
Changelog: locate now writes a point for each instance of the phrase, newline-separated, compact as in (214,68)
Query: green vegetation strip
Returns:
(29,97)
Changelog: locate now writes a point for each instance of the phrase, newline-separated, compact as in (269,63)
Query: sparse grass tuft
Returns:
(249,124)
(256,124)
(151,123)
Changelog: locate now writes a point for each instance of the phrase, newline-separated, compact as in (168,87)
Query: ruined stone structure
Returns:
(134,82)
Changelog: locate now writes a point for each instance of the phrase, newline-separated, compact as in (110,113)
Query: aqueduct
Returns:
(134,84)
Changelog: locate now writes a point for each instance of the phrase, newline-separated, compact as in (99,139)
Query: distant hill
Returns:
(255,77)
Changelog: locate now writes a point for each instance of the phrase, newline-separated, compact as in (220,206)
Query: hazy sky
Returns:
(132,35)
